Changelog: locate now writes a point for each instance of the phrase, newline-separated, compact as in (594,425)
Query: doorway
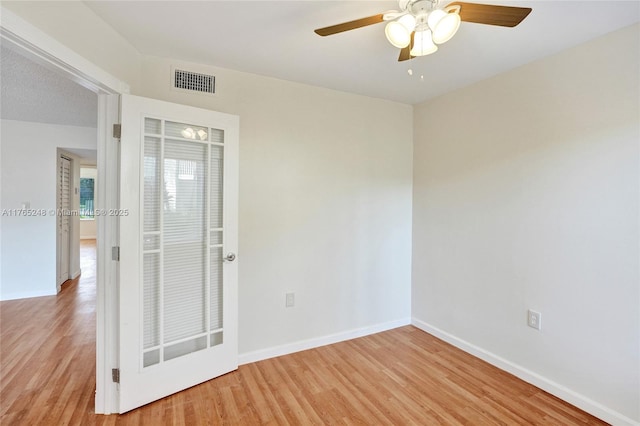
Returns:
(42,147)
(41,112)
(24,41)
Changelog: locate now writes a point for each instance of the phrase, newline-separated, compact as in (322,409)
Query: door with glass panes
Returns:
(178,239)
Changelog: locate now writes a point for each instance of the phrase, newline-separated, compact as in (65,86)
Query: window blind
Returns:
(182,236)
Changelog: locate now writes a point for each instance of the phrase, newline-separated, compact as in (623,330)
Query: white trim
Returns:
(316,342)
(88,237)
(107,197)
(76,274)
(30,41)
(562,392)
(26,295)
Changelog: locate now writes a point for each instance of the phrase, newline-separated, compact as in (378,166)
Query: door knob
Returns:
(230,257)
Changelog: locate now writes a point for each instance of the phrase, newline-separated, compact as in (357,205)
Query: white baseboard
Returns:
(303,345)
(26,295)
(574,398)
(87,237)
(76,274)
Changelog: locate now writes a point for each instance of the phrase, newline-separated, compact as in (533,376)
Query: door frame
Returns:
(24,38)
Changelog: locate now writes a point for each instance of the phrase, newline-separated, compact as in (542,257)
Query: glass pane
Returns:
(184,348)
(216,172)
(152,125)
(151,358)
(184,191)
(217,135)
(86,197)
(151,242)
(187,131)
(184,239)
(152,191)
(215,287)
(151,297)
(216,237)
(184,290)
(216,338)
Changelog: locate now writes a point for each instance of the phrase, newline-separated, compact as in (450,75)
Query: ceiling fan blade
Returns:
(351,25)
(405,53)
(504,16)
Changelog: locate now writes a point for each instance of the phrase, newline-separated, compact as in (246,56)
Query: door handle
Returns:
(230,257)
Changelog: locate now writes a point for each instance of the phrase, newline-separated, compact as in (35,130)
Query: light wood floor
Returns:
(399,377)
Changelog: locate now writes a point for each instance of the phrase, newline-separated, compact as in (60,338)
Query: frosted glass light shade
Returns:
(408,21)
(423,44)
(397,34)
(399,31)
(446,27)
(435,17)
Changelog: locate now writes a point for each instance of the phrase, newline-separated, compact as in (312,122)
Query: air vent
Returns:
(194,81)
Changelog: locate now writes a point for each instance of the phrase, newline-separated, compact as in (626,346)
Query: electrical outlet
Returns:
(290,300)
(534,319)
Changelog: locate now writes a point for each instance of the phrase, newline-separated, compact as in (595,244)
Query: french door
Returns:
(178,239)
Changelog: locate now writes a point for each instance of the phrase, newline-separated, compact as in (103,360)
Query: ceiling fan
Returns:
(420,25)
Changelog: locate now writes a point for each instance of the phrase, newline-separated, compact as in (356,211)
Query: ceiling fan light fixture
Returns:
(419,25)
(408,21)
(398,32)
(434,18)
(423,44)
(445,27)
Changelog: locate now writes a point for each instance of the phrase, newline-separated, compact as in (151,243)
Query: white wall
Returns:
(325,204)
(526,195)
(28,173)
(88,226)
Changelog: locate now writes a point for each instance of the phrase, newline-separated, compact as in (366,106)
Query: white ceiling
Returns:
(31,92)
(276,38)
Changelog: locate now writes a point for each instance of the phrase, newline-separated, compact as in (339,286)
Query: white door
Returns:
(63,218)
(178,239)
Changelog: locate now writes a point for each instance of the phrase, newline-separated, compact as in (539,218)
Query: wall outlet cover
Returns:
(534,319)
(290,300)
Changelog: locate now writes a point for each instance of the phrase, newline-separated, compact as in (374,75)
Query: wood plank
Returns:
(403,376)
